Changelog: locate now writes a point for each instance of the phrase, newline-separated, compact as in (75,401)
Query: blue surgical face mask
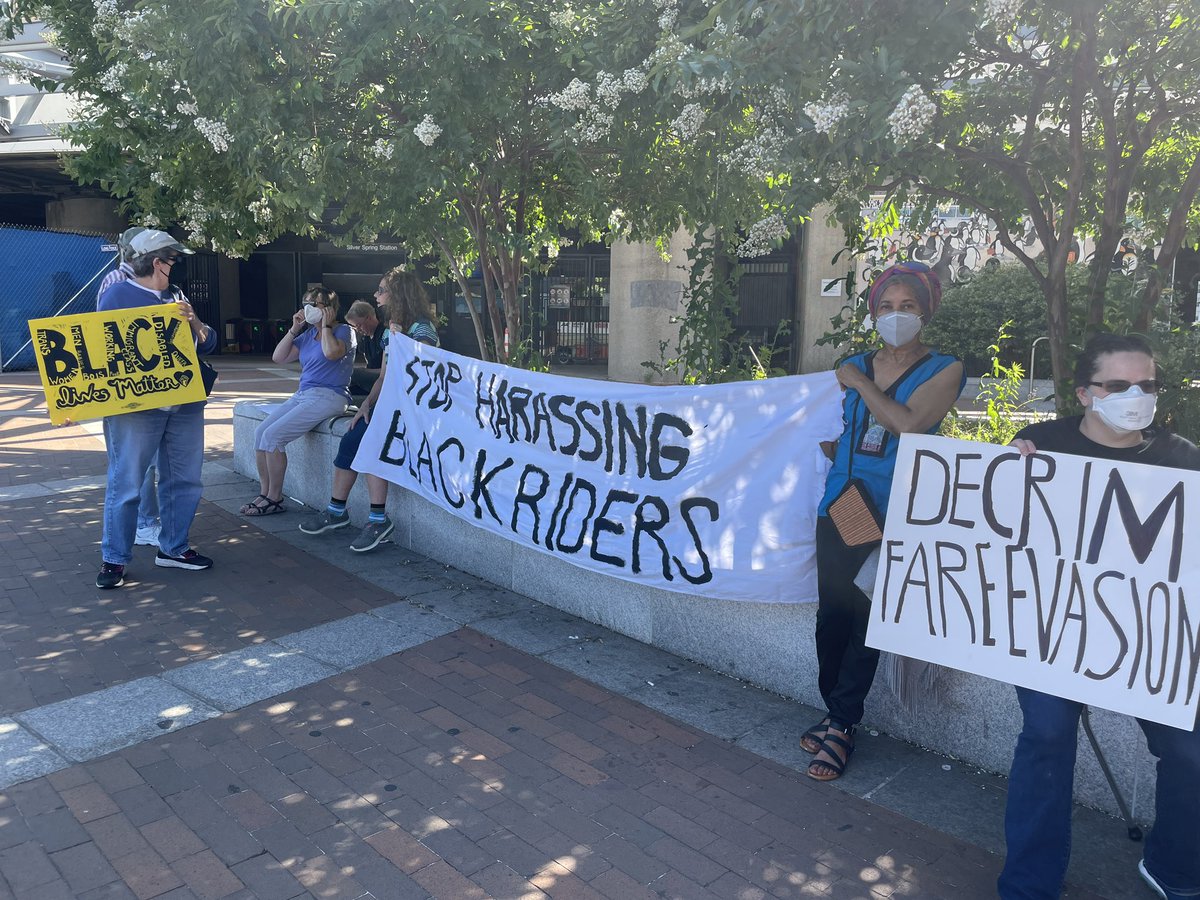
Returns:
(898,328)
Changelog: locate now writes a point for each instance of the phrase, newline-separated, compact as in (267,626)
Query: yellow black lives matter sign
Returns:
(107,363)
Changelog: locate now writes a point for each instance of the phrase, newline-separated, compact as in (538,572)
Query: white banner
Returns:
(708,490)
(1066,574)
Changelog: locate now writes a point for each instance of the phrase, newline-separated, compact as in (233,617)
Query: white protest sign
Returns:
(708,490)
(1070,575)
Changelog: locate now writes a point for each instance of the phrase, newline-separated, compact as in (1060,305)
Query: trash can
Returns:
(232,336)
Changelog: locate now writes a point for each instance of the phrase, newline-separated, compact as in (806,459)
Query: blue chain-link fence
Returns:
(45,273)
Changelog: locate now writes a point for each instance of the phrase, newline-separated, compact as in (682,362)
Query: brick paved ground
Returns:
(461,768)
(60,636)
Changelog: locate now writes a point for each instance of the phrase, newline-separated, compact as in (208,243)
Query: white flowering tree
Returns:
(696,107)
(428,121)
(1070,115)
(479,129)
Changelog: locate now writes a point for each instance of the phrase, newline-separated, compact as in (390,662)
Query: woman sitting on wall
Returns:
(326,353)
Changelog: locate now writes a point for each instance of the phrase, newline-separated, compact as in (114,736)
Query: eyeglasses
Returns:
(1117,386)
(170,261)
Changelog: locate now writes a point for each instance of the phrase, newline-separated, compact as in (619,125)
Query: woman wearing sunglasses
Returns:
(1116,382)
(325,350)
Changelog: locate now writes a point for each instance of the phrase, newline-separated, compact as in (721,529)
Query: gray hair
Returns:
(360,310)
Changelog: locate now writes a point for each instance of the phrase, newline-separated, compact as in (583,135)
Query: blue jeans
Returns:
(147,513)
(1037,819)
(176,435)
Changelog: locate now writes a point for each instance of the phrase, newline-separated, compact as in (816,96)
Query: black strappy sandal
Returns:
(838,745)
(253,504)
(272,507)
(810,741)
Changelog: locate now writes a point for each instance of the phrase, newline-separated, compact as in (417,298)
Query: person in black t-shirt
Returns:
(364,319)
(1116,381)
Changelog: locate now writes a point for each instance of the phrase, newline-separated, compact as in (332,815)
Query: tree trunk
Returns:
(1057,324)
(465,286)
(1164,267)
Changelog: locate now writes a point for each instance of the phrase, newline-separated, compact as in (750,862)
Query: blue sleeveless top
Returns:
(872,446)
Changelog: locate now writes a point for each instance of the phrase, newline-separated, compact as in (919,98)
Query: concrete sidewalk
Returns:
(380,725)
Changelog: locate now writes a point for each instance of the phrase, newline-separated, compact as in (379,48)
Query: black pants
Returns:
(846,664)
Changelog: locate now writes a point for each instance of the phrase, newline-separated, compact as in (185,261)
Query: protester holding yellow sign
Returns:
(162,349)
(107,363)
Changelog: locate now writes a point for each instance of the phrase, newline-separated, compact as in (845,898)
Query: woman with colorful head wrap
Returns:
(903,386)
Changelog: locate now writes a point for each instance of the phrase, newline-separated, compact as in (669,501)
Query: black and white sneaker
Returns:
(372,535)
(189,560)
(111,575)
(320,522)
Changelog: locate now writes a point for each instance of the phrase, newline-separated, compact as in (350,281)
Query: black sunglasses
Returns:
(1117,386)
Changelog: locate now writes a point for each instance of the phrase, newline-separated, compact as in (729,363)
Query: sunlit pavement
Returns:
(302,720)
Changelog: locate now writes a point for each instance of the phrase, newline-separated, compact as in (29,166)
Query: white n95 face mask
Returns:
(1130,410)
(313,314)
(898,328)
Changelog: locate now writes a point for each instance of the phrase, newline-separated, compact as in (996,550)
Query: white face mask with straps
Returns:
(313,314)
(1130,410)
(898,328)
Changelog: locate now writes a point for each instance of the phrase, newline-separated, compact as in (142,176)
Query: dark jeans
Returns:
(1037,819)
(348,446)
(846,664)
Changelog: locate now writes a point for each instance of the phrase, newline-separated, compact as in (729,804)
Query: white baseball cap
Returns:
(151,239)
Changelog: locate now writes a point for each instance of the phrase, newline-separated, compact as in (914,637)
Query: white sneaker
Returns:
(1150,880)
(148,535)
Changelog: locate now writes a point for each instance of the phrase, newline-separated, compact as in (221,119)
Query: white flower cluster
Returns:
(594,125)
(563,18)
(107,17)
(113,79)
(309,161)
(188,108)
(759,156)
(687,123)
(1001,12)
(261,210)
(634,81)
(912,115)
(667,18)
(575,95)
(670,49)
(608,89)
(158,178)
(704,87)
(763,236)
(427,131)
(828,113)
(214,132)
(383,148)
(125,29)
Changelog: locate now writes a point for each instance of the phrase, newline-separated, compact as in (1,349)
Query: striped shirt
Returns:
(123,272)
(424,332)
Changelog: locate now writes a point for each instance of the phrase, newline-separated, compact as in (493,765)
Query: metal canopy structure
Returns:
(30,149)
